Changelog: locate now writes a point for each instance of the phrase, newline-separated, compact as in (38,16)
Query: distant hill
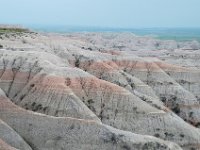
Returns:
(12,28)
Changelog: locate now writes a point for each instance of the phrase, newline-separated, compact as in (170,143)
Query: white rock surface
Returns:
(99,91)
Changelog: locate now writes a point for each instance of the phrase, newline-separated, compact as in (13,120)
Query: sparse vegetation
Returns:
(197,125)
(176,109)
(182,135)
(152,146)
(169,135)
(13,30)
(24,41)
(111,137)
(77,63)
(157,135)
(126,147)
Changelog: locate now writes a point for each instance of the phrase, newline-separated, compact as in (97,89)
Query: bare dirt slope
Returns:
(94,91)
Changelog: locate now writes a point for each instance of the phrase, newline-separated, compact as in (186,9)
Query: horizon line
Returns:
(100,27)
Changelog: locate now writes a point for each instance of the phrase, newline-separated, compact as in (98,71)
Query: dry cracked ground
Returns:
(98,91)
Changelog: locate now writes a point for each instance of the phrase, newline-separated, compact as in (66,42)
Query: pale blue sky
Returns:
(104,13)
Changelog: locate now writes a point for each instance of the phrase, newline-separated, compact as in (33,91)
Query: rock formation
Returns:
(98,91)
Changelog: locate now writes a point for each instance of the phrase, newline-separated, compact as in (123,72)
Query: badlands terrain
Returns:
(98,91)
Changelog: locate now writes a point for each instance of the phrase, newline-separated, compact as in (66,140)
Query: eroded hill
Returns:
(98,91)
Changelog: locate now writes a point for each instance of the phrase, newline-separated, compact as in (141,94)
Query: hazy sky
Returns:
(105,13)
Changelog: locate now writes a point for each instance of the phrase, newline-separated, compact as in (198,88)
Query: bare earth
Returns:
(98,91)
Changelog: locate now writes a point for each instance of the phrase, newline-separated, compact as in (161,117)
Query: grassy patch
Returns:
(13,30)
